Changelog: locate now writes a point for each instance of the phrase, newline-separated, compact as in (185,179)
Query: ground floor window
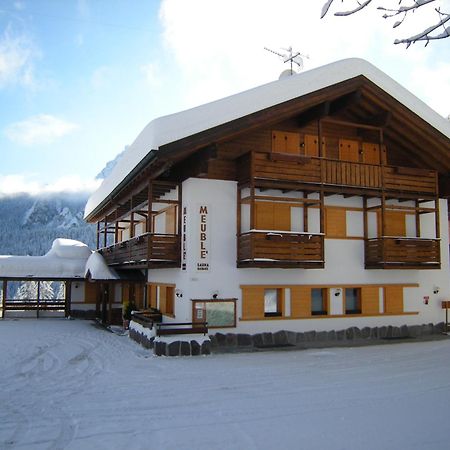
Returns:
(352,301)
(318,302)
(272,302)
(162,297)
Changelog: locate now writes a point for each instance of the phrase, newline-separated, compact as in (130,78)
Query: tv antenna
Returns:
(292,57)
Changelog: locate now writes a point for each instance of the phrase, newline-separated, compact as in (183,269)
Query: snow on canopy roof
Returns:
(97,269)
(66,259)
(167,129)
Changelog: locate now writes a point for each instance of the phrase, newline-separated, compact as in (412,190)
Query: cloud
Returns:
(152,75)
(432,84)
(17,54)
(40,129)
(218,45)
(26,184)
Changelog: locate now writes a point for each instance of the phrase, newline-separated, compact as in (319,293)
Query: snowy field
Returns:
(67,384)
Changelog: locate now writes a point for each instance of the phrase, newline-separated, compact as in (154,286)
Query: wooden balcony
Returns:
(280,249)
(270,169)
(402,253)
(145,251)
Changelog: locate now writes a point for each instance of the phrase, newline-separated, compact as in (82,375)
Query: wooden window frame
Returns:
(154,289)
(225,300)
(325,303)
(358,310)
(280,303)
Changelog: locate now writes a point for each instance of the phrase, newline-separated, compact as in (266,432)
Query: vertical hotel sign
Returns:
(204,239)
(183,242)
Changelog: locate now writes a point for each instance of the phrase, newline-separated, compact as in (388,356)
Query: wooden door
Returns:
(371,153)
(348,150)
(272,216)
(171,214)
(395,223)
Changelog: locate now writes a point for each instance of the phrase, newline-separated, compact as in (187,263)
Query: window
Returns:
(161,297)
(318,302)
(352,301)
(218,313)
(272,303)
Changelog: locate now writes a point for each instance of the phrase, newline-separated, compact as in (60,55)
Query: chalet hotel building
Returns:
(315,202)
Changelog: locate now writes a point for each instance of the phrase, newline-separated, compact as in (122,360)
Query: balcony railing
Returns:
(280,249)
(146,250)
(272,167)
(402,253)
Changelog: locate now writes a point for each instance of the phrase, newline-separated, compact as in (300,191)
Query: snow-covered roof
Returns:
(167,129)
(97,269)
(66,259)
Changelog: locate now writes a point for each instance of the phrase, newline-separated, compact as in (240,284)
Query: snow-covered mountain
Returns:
(29,224)
(105,172)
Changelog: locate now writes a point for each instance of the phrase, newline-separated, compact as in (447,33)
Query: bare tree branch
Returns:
(424,35)
(358,8)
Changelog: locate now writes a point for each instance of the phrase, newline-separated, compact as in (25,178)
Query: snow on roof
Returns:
(66,259)
(97,269)
(167,129)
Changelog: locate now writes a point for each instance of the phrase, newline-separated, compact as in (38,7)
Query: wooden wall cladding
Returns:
(90,292)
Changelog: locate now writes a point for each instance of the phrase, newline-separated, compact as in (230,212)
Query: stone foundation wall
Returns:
(182,347)
(353,336)
(316,339)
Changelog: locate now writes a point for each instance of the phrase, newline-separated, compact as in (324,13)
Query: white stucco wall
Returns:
(344,265)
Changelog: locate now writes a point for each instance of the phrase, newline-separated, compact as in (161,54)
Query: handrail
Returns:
(302,158)
(195,327)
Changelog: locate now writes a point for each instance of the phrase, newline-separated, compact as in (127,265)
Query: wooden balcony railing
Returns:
(280,249)
(146,250)
(272,167)
(402,253)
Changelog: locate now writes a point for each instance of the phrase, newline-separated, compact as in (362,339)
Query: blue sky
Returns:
(79,79)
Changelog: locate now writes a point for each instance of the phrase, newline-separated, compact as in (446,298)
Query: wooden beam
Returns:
(314,113)
(345,102)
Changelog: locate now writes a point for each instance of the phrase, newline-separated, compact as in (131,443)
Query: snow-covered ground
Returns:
(68,384)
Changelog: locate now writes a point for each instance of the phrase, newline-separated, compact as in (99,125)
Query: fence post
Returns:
(38,295)
(4,293)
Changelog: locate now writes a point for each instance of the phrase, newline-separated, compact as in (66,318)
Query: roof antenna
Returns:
(291,57)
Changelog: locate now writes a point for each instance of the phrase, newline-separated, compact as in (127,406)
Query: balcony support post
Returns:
(105,232)
(305,214)
(179,207)
(417,216)
(149,201)
(383,225)
(437,218)
(98,235)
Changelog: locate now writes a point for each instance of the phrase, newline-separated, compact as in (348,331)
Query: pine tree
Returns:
(46,290)
(27,291)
